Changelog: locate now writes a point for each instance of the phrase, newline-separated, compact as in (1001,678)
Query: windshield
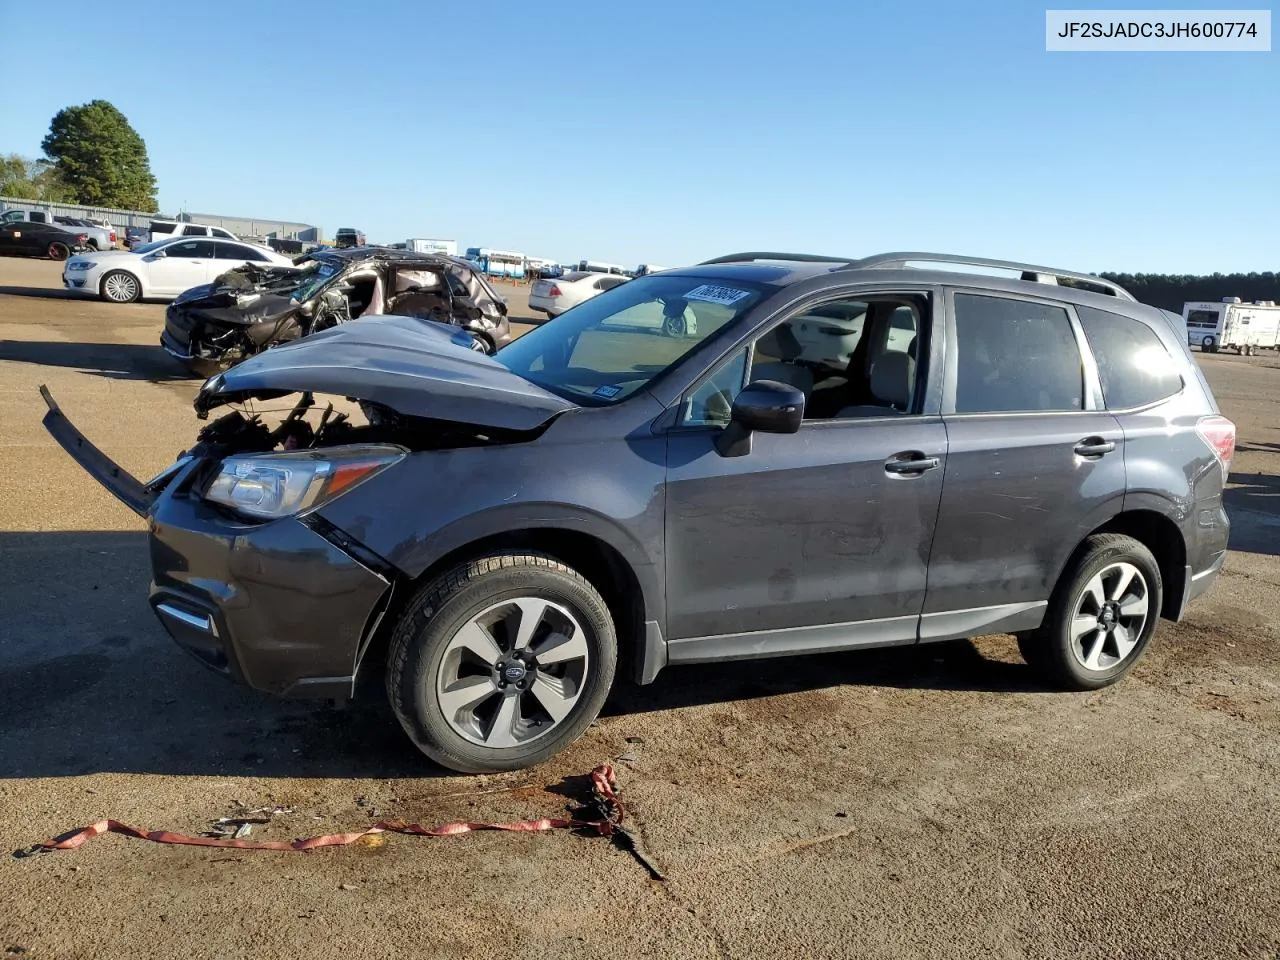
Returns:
(320,274)
(604,350)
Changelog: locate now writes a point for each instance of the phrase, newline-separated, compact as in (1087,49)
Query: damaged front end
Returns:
(247,575)
(217,325)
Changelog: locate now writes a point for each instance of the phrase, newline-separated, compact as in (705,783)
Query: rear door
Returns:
(185,265)
(1034,462)
(230,255)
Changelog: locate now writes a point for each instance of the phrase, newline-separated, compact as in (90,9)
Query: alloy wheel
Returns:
(513,672)
(1110,616)
(120,287)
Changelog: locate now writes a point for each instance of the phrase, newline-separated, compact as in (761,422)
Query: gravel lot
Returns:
(932,802)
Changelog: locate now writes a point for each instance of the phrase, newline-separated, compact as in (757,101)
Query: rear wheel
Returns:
(501,662)
(119,286)
(58,251)
(1102,615)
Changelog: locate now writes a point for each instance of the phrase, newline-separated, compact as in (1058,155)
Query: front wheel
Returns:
(119,286)
(1101,617)
(501,662)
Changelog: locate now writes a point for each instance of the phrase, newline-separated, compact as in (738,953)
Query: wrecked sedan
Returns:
(495,537)
(213,327)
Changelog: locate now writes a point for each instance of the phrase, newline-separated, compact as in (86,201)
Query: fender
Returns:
(645,560)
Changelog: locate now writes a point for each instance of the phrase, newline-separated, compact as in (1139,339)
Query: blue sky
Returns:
(670,132)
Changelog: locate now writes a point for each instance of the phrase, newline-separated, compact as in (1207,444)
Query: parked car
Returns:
(1041,459)
(215,326)
(95,237)
(136,236)
(165,229)
(25,239)
(98,237)
(554,297)
(349,237)
(160,270)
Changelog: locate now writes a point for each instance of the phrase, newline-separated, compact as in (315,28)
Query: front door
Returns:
(184,265)
(819,539)
(1034,464)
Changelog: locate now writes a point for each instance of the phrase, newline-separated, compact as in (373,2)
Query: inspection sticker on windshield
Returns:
(608,391)
(711,293)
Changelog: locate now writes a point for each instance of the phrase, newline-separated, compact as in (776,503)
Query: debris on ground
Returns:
(602,812)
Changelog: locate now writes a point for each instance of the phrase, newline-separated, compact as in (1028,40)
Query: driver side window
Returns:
(851,358)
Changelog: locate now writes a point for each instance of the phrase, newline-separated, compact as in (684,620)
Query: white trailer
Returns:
(1231,324)
(424,245)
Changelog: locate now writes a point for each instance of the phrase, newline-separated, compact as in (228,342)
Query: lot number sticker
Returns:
(711,293)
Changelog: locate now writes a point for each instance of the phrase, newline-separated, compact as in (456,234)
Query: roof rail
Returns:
(788,257)
(1029,271)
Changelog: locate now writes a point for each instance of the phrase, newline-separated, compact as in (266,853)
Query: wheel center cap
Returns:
(514,672)
(1108,616)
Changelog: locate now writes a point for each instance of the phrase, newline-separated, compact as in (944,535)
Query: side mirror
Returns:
(767,406)
(158,254)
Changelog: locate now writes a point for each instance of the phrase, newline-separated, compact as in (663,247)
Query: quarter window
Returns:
(1134,366)
(1015,355)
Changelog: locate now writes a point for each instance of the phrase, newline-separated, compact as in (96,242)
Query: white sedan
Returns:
(554,297)
(163,269)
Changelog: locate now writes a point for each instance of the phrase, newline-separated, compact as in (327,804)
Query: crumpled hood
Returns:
(417,368)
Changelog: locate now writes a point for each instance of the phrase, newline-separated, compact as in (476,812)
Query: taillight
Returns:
(83,238)
(1220,434)
(554,291)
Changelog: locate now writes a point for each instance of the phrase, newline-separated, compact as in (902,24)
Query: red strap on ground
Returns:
(603,790)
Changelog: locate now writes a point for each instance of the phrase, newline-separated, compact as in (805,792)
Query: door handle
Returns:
(1094,447)
(910,463)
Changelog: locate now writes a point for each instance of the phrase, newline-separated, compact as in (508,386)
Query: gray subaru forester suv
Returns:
(763,455)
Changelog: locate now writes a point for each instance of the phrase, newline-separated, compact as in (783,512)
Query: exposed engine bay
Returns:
(310,425)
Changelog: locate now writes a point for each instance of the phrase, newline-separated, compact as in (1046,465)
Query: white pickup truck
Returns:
(164,229)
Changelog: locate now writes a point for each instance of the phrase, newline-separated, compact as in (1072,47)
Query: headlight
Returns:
(272,485)
(80,265)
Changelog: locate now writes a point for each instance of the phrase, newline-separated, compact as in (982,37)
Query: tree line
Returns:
(1171,291)
(92,156)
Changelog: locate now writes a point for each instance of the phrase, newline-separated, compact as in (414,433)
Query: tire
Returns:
(674,326)
(58,251)
(120,286)
(481,344)
(455,640)
(1209,345)
(1098,656)
(93,245)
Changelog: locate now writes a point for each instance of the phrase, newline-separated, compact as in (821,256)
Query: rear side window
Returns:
(219,232)
(194,232)
(1134,366)
(1015,356)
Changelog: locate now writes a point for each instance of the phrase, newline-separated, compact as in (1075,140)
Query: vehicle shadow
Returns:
(116,361)
(90,682)
(44,293)
(1253,506)
(955,665)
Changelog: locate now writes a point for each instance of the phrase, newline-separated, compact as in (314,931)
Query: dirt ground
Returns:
(918,803)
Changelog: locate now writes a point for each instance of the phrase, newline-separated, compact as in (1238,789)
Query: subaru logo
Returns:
(514,673)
